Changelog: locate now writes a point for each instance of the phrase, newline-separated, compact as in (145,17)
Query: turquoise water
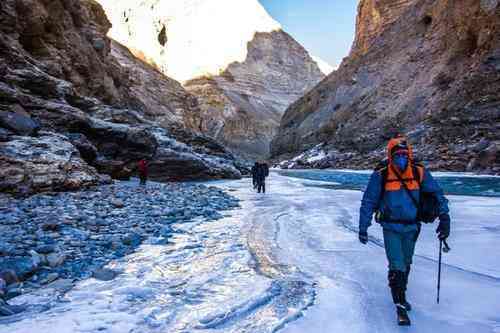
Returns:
(454,184)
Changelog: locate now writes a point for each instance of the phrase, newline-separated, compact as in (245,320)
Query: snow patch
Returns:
(324,66)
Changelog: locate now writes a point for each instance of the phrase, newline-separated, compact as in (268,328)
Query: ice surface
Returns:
(288,261)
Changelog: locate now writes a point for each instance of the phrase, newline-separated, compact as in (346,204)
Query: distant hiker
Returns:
(143,171)
(254,175)
(402,194)
(261,174)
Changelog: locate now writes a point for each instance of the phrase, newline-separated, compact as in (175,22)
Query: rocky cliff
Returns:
(243,106)
(230,54)
(428,68)
(74,106)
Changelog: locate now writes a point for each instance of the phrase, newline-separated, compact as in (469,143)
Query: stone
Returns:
(13,292)
(104,274)
(3,286)
(117,203)
(5,309)
(9,276)
(489,5)
(56,259)
(51,277)
(19,123)
(6,249)
(87,150)
(51,226)
(36,258)
(5,134)
(132,239)
(23,267)
(481,145)
(45,249)
(61,285)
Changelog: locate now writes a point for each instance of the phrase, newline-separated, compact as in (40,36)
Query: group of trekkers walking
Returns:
(260,171)
(402,194)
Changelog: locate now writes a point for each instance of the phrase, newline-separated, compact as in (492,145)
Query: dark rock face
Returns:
(426,68)
(242,107)
(81,105)
(19,123)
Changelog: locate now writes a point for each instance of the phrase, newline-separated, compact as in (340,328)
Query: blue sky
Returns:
(324,27)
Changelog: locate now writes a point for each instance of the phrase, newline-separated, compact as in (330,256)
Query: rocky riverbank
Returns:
(51,240)
(478,157)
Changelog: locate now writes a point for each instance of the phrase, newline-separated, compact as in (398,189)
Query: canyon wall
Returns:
(427,68)
(75,107)
(242,107)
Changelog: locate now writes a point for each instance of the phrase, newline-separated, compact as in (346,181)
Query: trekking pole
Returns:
(446,249)
(439,269)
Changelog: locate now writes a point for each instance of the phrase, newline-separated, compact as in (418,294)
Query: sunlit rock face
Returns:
(188,38)
(243,106)
(429,68)
(374,16)
(244,70)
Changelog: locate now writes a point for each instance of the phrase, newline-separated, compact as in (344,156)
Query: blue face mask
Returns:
(401,162)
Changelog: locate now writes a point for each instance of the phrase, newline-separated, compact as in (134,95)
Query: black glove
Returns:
(443,229)
(363,237)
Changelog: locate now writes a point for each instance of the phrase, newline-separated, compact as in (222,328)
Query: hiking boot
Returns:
(403,319)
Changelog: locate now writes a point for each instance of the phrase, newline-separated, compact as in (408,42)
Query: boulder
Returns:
(56,259)
(5,134)
(61,285)
(9,310)
(87,150)
(9,276)
(3,286)
(45,163)
(104,274)
(22,267)
(18,122)
(117,203)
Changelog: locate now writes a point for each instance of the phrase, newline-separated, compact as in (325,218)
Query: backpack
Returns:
(427,206)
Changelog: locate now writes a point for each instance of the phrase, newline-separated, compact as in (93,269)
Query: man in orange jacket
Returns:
(393,192)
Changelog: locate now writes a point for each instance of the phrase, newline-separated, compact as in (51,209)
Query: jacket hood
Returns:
(396,141)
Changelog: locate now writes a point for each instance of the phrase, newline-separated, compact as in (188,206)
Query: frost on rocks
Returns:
(308,159)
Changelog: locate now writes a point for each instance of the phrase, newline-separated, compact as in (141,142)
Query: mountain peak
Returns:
(188,38)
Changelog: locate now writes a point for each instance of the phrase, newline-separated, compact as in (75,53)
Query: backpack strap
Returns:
(403,183)
(418,172)
(384,172)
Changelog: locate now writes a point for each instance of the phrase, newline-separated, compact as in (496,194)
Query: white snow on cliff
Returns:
(324,66)
(188,38)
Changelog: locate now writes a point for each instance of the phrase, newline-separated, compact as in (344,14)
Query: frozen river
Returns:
(288,261)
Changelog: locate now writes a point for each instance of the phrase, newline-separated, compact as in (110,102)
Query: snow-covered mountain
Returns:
(188,38)
(244,69)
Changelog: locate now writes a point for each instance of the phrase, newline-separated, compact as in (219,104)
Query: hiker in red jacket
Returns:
(143,171)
